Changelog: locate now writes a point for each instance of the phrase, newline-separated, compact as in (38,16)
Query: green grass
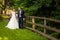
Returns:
(18,34)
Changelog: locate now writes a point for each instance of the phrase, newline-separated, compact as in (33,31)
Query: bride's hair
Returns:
(13,9)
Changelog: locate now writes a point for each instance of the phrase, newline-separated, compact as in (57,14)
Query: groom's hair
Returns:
(20,7)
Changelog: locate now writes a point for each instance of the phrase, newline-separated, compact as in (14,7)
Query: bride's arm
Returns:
(16,15)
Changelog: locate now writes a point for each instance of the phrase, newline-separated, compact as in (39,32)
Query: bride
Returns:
(13,23)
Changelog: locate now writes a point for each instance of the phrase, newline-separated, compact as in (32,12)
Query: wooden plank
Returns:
(33,21)
(48,36)
(44,25)
(47,27)
(45,18)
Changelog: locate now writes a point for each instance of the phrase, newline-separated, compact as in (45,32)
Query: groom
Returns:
(20,17)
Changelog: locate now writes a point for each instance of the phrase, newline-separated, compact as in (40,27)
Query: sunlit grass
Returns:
(18,34)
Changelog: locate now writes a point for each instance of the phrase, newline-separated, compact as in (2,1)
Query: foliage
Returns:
(47,8)
(1,18)
(0,4)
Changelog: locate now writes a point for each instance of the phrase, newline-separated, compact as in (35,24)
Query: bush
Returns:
(1,18)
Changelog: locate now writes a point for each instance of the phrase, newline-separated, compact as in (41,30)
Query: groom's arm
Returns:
(22,12)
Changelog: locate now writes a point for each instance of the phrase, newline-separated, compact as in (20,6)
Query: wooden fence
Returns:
(43,26)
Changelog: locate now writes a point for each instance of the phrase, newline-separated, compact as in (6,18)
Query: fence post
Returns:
(44,25)
(33,21)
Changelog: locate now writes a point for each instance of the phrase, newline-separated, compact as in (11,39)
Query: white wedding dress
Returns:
(13,23)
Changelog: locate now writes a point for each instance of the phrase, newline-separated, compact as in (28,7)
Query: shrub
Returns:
(1,18)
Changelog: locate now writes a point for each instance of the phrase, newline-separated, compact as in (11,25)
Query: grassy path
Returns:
(18,34)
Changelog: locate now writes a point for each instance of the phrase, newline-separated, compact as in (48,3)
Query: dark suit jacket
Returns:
(22,13)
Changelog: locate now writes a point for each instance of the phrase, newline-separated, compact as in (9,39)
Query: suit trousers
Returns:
(20,22)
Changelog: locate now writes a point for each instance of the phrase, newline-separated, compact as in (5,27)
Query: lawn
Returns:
(17,34)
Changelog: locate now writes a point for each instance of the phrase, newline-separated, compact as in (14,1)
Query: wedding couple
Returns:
(14,23)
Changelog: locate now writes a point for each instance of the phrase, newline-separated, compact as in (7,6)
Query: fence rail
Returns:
(43,26)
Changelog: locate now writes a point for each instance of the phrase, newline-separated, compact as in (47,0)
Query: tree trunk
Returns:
(3,7)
